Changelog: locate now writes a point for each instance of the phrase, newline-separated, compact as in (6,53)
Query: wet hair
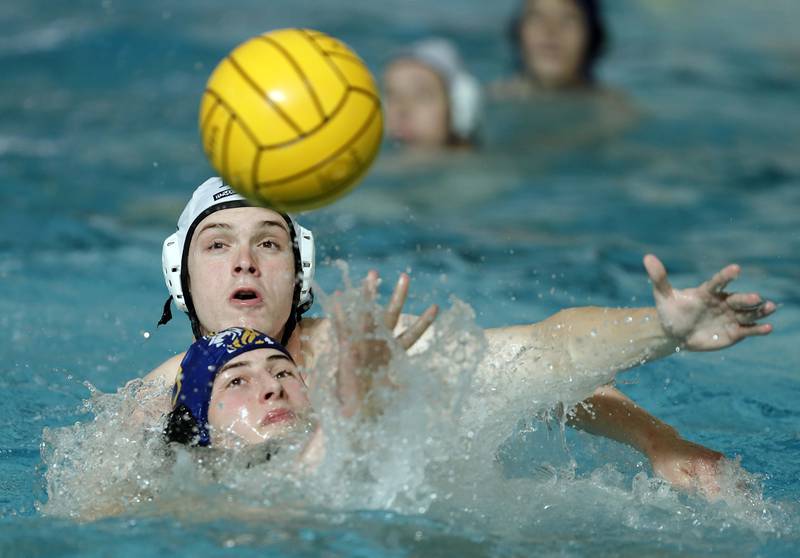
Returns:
(595,28)
(181,427)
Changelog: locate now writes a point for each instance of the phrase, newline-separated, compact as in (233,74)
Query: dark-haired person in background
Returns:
(556,45)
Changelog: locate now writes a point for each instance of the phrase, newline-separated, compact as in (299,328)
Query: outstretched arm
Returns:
(604,341)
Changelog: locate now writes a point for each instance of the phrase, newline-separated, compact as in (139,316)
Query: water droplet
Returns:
(715,337)
(146,335)
(593,333)
(628,319)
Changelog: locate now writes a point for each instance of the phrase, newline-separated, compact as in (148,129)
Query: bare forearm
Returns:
(591,340)
(609,338)
(611,414)
(684,464)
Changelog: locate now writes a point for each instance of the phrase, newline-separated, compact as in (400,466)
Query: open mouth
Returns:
(246,296)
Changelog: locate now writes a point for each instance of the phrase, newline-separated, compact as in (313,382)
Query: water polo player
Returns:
(231,264)
(236,386)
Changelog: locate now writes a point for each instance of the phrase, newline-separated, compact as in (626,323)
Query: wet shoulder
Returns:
(314,334)
(166,371)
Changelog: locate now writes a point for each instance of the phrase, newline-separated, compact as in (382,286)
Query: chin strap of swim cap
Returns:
(295,314)
(166,314)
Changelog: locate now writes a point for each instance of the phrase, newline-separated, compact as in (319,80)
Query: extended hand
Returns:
(362,347)
(707,318)
(391,315)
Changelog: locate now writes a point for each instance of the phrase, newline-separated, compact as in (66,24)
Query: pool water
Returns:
(698,164)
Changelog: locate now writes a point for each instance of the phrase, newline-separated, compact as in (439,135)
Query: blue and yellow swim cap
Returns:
(187,423)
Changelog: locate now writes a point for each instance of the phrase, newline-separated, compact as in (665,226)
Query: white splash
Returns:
(428,443)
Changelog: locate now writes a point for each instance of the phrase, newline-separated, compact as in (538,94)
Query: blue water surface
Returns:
(99,150)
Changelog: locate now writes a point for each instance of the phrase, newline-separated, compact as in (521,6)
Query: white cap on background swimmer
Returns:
(464,91)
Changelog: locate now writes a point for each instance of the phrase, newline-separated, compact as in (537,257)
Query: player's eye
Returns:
(271,244)
(284,374)
(237,381)
(216,245)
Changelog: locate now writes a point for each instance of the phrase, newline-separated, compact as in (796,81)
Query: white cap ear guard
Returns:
(305,245)
(465,105)
(171,255)
(213,195)
(464,92)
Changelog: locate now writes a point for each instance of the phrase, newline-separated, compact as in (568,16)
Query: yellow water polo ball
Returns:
(291,119)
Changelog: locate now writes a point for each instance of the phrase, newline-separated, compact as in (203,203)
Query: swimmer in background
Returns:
(231,264)
(433,109)
(556,46)
(431,101)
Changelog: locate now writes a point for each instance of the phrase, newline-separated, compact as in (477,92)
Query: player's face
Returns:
(554,39)
(241,270)
(256,396)
(416,105)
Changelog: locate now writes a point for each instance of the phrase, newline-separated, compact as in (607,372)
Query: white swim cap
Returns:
(463,89)
(211,196)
